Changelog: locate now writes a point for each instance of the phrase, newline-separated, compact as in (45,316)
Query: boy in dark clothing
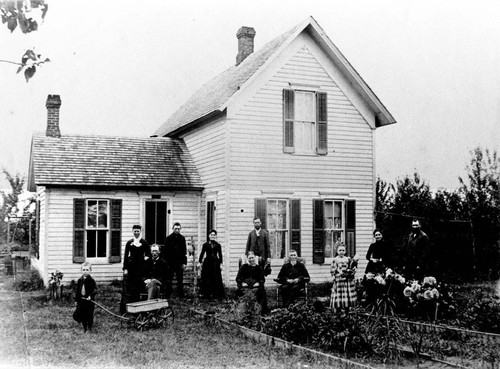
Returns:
(85,292)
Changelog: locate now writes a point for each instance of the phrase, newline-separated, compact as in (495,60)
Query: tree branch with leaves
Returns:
(24,15)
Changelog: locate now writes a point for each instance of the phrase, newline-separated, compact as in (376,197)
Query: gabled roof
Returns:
(109,161)
(213,97)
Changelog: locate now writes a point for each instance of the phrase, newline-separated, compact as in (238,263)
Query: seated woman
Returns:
(251,276)
(293,276)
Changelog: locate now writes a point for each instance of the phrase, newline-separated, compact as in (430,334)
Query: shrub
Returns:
(483,314)
(319,327)
(27,281)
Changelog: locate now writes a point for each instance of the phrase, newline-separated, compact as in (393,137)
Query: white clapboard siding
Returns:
(241,157)
(258,163)
(59,255)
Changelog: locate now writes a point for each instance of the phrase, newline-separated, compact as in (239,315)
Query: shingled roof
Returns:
(213,96)
(109,161)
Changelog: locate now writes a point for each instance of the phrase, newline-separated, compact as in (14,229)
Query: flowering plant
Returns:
(56,277)
(352,264)
(388,283)
(426,290)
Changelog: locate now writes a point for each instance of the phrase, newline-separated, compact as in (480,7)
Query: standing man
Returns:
(416,256)
(293,277)
(174,253)
(136,253)
(258,243)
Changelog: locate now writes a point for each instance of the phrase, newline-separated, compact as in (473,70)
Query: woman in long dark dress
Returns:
(136,253)
(211,279)
(379,254)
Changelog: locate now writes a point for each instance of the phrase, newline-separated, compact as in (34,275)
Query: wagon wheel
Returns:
(165,316)
(141,322)
(127,320)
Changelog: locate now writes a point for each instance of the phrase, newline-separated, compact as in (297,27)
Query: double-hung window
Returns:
(334,221)
(97,228)
(334,226)
(305,122)
(277,225)
(281,218)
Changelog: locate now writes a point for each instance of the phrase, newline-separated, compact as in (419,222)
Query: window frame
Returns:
(97,259)
(299,149)
(319,134)
(342,227)
(286,231)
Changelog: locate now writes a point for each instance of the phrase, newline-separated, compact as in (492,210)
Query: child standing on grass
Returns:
(86,289)
(343,289)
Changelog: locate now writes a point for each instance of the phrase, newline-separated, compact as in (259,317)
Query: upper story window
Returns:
(305,122)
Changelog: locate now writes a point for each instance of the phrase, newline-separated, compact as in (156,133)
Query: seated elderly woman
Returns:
(251,276)
(156,274)
(293,276)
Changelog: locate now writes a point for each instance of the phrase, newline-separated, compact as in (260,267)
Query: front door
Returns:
(156,221)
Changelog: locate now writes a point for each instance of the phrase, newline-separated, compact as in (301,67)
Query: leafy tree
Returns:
(13,206)
(441,216)
(481,192)
(22,14)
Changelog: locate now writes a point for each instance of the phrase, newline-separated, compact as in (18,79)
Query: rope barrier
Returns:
(421,217)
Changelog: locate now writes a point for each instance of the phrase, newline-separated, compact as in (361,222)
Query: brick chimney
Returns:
(245,37)
(53,104)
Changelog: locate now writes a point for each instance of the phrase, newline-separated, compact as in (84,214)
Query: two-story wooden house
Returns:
(286,134)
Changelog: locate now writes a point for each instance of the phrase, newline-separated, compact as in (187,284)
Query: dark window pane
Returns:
(91,244)
(101,243)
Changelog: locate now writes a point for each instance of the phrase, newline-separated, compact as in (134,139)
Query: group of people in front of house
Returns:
(151,269)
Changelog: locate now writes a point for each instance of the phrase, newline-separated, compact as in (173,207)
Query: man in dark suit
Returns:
(174,253)
(258,242)
(156,274)
(416,256)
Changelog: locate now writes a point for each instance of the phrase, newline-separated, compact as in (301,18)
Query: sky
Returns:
(123,67)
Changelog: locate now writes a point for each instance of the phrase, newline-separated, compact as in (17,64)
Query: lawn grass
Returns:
(55,340)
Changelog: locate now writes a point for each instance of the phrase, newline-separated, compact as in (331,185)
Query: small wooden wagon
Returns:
(148,314)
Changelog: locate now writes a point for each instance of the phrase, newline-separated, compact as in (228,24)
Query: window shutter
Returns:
(79,230)
(116,231)
(295,231)
(318,232)
(350,227)
(322,123)
(261,211)
(288,116)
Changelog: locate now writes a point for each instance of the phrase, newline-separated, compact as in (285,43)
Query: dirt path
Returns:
(14,352)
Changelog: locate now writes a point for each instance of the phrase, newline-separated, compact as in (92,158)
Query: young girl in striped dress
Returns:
(343,289)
